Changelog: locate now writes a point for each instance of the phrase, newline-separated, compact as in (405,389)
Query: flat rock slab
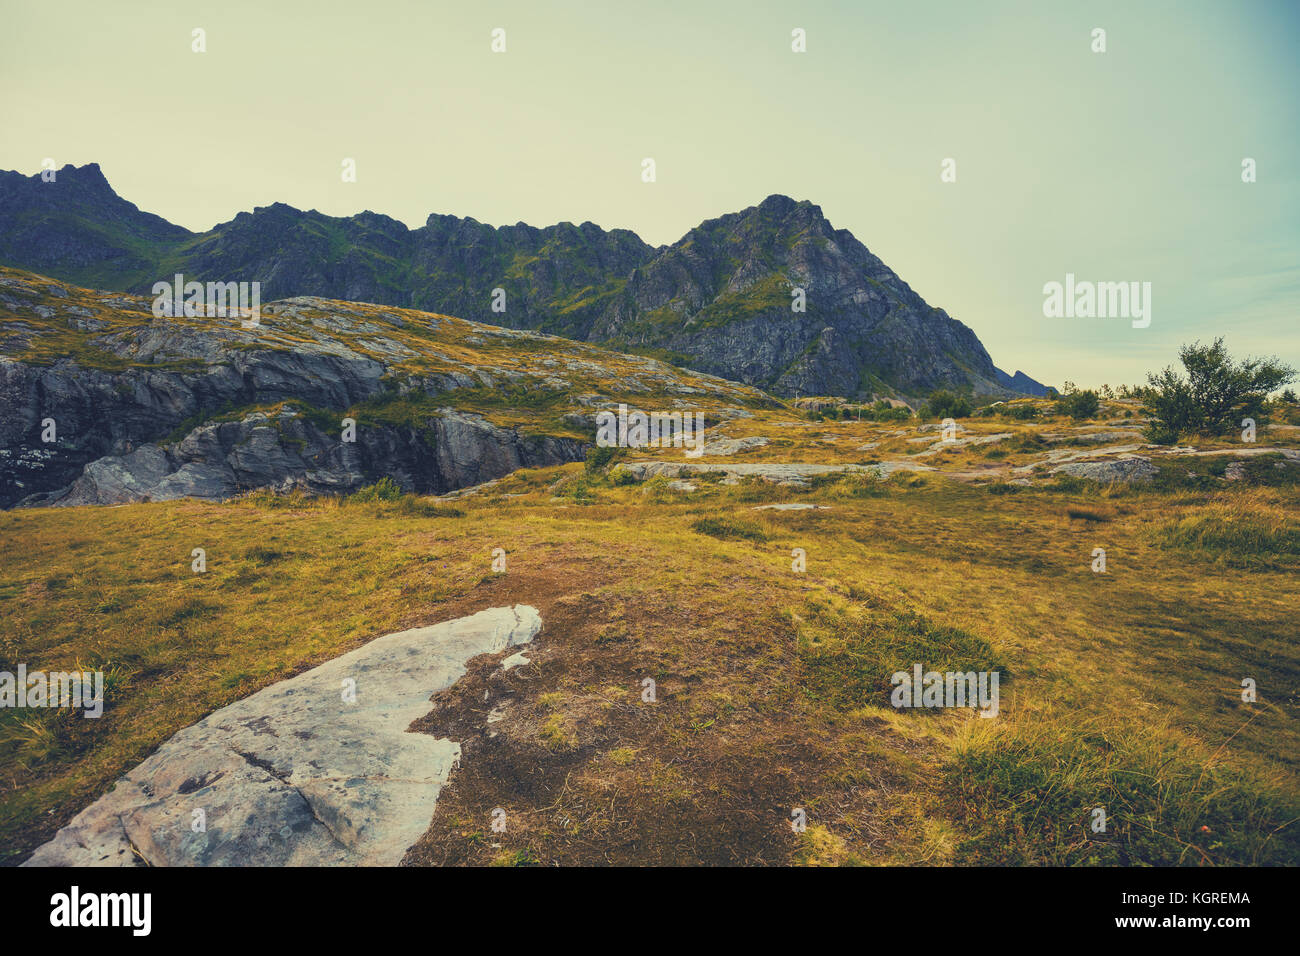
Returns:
(778,472)
(295,775)
(1059,456)
(1127,469)
(730,446)
(1093,437)
(1291,454)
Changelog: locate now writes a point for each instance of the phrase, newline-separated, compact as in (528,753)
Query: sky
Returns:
(1123,165)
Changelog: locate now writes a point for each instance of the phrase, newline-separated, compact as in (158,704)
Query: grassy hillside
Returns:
(1121,689)
(522,378)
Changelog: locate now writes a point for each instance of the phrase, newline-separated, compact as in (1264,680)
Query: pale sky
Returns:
(1123,165)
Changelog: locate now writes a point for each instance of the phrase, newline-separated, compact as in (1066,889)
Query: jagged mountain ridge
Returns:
(718,300)
(1020,382)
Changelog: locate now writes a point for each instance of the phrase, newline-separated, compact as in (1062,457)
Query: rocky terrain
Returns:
(717,300)
(143,408)
(103,403)
(1111,454)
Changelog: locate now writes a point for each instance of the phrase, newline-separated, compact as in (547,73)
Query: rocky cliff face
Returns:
(719,300)
(725,295)
(102,403)
(285,451)
(110,431)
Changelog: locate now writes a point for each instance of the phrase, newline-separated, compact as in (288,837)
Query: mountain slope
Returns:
(146,408)
(718,300)
(723,295)
(1020,382)
(78,228)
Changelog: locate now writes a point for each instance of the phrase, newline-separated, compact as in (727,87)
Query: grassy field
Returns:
(1121,690)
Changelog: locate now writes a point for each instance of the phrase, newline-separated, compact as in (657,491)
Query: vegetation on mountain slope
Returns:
(720,300)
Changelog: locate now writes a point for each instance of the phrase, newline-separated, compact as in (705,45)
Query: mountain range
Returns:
(719,300)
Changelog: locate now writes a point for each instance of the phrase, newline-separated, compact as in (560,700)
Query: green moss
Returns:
(851,653)
(729,530)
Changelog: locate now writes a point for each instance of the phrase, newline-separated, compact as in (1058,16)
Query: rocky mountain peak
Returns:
(772,295)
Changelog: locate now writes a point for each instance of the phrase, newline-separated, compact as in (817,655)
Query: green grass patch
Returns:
(851,652)
(729,529)
(1027,793)
(1236,533)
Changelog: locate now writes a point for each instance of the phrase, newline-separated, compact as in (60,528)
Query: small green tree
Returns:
(600,458)
(1079,405)
(385,489)
(1214,397)
(945,404)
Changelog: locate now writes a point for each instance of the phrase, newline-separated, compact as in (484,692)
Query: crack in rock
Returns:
(311,807)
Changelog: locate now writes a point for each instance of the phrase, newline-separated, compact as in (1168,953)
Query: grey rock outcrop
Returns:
(1128,469)
(219,461)
(295,774)
(154,428)
(731,446)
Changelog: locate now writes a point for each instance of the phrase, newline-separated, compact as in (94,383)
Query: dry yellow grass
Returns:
(1108,670)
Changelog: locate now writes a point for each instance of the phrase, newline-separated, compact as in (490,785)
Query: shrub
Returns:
(1215,396)
(411,505)
(577,488)
(1079,405)
(882,411)
(656,488)
(729,530)
(385,489)
(1286,409)
(1028,441)
(598,458)
(1162,433)
(618,475)
(945,404)
(858,485)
